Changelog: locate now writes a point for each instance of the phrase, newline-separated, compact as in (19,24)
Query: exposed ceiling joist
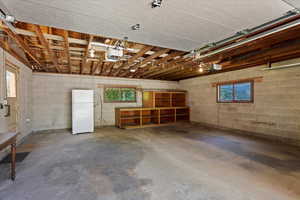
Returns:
(67,49)
(45,43)
(23,45)
(86,53)
(7,48)
(148,59)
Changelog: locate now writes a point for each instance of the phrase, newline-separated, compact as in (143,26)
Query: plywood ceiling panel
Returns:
(178,24)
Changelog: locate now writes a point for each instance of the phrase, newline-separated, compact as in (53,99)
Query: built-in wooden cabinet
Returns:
(147,117)
(158,99)
(159,108)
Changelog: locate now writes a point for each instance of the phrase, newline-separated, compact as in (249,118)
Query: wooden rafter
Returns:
(174,64)
(6,47)
(99,64)
(45,43)
(159,64)
(148,59)
(86,53)
(22,44)
(67,49)
(135,57)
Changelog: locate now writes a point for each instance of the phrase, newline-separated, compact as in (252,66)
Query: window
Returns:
(11,89)
(236,92)
(119,94)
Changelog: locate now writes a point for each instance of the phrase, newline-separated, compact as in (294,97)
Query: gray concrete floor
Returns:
(182,162)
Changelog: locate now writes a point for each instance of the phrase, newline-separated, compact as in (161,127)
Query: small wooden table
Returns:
(7,139)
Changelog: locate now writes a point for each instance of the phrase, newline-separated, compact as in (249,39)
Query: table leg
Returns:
(13,161)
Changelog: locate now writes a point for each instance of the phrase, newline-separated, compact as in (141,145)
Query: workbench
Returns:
(10,139)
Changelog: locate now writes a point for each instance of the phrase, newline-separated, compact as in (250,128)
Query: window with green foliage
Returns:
(236,92)
(118,94)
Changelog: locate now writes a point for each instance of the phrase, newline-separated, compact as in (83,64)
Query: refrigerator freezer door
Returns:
(82,118)
(81,96)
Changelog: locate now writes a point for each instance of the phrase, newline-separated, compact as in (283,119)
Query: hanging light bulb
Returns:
(201,70)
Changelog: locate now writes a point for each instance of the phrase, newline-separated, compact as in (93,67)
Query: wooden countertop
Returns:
(4,137)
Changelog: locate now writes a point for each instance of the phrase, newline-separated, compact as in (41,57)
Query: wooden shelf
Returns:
(182,114)
(131,117)
(167,115)
(156,99)
(145,116)
(150,117)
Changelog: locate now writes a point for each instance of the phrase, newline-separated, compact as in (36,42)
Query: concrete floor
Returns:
(182,162)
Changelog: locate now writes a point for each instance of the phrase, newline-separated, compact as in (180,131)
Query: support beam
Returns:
(4,45)
(133,58)
(176,69)
(99,64)
(148,59)
(67,49)
(23,45)
(174,64)
(86,54)
(159,64)
(45,43)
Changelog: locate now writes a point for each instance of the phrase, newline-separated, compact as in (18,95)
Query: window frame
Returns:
(119,87)
(233,83)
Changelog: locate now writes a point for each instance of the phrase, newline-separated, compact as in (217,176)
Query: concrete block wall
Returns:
(52,98)
(275,111)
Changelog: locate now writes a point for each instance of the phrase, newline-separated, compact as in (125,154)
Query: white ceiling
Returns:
(178,24)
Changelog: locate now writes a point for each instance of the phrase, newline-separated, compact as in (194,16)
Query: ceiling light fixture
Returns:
(217,66)
(136,27)
(201,69)
(156,3)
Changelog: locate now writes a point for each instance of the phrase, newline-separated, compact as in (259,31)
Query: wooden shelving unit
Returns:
(148,117)
(159,108)
(158,99)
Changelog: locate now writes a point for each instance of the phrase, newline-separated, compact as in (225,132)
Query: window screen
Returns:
(115,94)
(235,92)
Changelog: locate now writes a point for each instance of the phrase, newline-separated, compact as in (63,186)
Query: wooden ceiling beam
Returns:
(99,64)
(86,54)
(171,66)
(4,45)
(257,44)
(146,60)
(160,64)
(283,51)
(45,43)
(65,35)
(133,58)
(185,68)
(150,58)
(22,44)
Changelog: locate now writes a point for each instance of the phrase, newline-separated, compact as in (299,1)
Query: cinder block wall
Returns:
(276,107)
(52,98)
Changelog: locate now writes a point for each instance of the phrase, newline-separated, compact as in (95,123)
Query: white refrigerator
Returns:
(82,111)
